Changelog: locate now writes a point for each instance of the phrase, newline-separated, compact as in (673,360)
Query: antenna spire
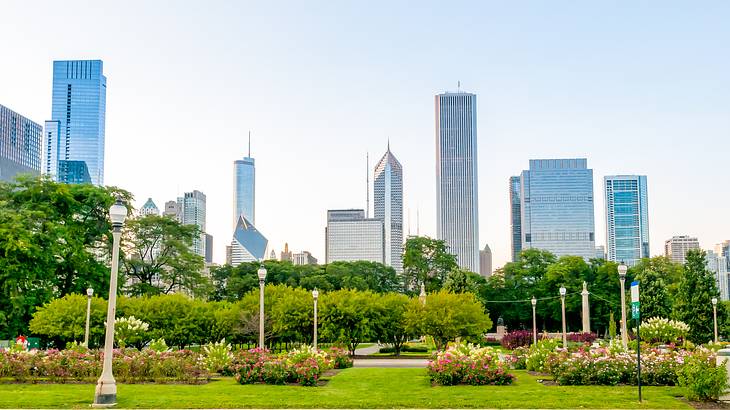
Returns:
(367,184)
(458,86)
(249,143)
(388,144)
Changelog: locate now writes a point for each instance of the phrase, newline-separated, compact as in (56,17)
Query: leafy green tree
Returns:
(349,316)
(655,300)
(462,281)
(55,239)
(426,261)
(446,316)
(159,258)
(63,320)
(693,300)
(391,324)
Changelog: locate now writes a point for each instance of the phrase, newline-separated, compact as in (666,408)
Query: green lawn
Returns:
(352,388)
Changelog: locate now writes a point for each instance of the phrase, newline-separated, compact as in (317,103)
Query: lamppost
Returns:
(315,295)
(106,387)
(562,305)
(262,279)
(622,269)
(89,294)
(534,320)
(714,315)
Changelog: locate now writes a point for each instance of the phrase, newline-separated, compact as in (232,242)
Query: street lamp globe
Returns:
(89,292)
(562,291)
(714,301)
(262,273)
(533,301)
(315,294)
(622,269)
(118,212)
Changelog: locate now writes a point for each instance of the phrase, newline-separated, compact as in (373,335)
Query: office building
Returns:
(75,135)
(149,208)
(456,176)
(286,254)
(208,248)
(350,236)
(556,204)
(627,218)
(723,249)
(388,207)
(244,187)
(191,211)
(717,264)
(515,217)
(303,258)
(172,210)
(20,145)
(485,262)
(600,252)
(676,248)
(248,244)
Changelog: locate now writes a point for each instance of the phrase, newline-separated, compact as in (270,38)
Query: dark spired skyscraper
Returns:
(75,135)
(515,217)
(388,207)
(457,204)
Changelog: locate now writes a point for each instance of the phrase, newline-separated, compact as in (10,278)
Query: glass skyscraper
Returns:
(457,204)
(627,218)
(244,189)
(191,211)
(388,207)
(515,217)
(20,145)
(75,133)
(556,203)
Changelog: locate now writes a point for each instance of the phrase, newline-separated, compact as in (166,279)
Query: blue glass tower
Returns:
(627,218)
(515,217)
(556,202)
(75,133)
(244,188)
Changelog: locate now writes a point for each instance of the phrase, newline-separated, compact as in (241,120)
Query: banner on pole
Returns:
(635,300)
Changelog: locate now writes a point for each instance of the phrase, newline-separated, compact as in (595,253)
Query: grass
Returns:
(352,388)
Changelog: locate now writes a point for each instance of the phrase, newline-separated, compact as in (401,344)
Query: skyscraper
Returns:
(485,262)
(191,211)
(244,187)
(248,244)
(388,206)
(76,132)
(717,264)
(456,176)
(723,249)
(556,204)
(627,218)
(515,217)
(350,236)
(20,145)
(149,208)
(676,248)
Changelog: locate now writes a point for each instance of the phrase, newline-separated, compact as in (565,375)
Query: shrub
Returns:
(518,338)
(581,337)
(538,354)
(340,358)
(464,363)
(275,372)
(518,358)
(158,345)
(129,331)
(247,365)
(217,356)
(307,352)
(702,378)
(306,372)
(659,330)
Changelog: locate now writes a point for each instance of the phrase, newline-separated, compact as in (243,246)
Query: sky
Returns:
(636,87)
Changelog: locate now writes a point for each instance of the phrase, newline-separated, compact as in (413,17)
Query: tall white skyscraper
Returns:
(244,187)
(456,176)
(191,211)
(388,207)
(627,218)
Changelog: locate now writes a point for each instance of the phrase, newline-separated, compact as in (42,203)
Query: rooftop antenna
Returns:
(458,86)
(367,184)
(388,144)
(249,143)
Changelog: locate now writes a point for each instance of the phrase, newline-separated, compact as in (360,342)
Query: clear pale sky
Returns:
(636,87)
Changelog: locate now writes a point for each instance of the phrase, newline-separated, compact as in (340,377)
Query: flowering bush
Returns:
(465,363)
(340,358)
(518,338)
(582,337)
(158,345)
(304,366)
(129,331)
(247,365)
(659,330)
(538,354)
(275,372)
(518,358)
(306,372)
(217,356)
(701,376)
(305,353)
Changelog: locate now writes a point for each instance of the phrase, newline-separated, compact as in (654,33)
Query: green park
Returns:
(542,332)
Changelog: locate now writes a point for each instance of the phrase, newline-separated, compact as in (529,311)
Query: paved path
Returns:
(366,351)
(394,363)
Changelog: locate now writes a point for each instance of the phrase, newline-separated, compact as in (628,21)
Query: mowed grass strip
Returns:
(351,388)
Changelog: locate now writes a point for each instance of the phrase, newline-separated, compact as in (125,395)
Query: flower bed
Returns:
(303,366)
(466,364)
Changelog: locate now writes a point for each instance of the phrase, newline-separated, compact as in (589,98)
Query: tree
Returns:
(159,257)
(446,316)
(692,304)
(349,316)
(655,300)
(462,281)
(426,261)
(55,240)
(63,320)
(392,326)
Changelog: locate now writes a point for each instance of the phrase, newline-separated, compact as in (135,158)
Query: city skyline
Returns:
(561,88)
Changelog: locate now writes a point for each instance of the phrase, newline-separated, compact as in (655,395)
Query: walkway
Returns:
(392,363)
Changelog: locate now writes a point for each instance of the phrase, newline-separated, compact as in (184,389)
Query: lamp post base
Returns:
(105,396)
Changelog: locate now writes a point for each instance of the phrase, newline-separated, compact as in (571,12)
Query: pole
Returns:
(315,324)
(638,355)
(624,335)
(88,318)
(534,325)
(106,387)
(714,319)
(565,338)
(261,313)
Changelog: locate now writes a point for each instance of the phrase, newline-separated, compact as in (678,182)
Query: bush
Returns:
(581,337)
(306,372)
(464,363)
(538,354)
(702,378)
(275,372)
(518,338)
(247,365)
(518,358)
(130,331)
(340,358)
(217,356)
(158,345)
(659,330)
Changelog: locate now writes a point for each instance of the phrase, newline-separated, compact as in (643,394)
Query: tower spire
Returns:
(249,143)
(388,144)
(367,185)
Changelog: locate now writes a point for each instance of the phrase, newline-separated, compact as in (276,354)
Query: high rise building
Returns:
(244,187)
(456,176)
(286,254)
(350,236)
(149,208)
(515,217)
(76,132)
(388,206)
(248,244)
(172,210)
(191,211)
(556,203)
(20,145)
(208,248)
(676,248)
(717,264)
(627,218)
(485,261)
(600,252)
(723,249)
(303,258)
